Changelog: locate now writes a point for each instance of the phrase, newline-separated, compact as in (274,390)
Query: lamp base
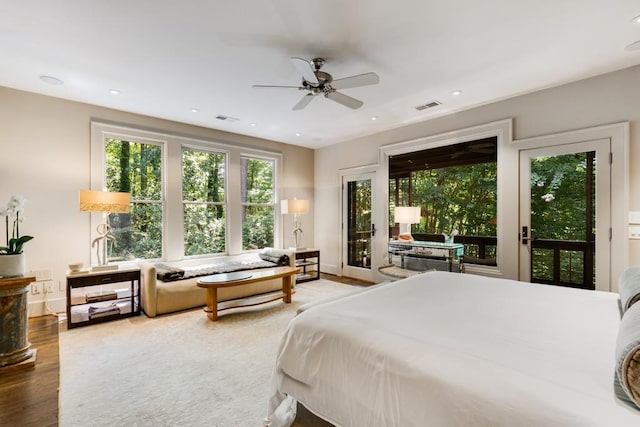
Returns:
(405,237)
(108,267)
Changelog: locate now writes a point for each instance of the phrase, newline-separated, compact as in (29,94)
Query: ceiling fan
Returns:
(318,82)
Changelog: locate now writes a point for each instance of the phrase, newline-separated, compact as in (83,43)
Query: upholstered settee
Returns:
(176,294)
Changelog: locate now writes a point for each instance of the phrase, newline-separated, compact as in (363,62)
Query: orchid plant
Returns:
(13,210)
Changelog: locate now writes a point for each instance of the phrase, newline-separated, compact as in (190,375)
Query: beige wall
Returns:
(610,98)
(45,156)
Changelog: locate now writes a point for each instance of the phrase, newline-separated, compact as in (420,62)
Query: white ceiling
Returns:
(168,57)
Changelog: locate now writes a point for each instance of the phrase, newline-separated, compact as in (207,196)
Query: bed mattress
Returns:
(446,349)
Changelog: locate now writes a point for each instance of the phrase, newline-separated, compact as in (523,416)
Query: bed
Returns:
(447,349)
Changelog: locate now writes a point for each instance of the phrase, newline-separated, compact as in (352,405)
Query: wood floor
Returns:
(29,397)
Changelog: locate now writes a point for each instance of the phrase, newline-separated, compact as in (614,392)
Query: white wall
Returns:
(610,98)
(45,156)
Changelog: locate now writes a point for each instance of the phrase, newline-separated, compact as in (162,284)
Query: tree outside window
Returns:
(456,189)
(204,202)
(258,203)
(136,168)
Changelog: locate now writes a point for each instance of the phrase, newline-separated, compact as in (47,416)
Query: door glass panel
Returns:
(563,220)
(359,223)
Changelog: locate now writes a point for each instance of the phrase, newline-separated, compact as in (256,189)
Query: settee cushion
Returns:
(268,258)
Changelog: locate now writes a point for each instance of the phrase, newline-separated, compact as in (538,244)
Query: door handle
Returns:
(373,230)
(525,234)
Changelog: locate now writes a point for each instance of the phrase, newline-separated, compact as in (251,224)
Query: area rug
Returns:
(179,369)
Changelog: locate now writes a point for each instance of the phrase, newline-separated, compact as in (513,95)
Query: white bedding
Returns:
(446,349)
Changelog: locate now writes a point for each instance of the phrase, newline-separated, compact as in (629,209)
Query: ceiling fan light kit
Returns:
(318,82)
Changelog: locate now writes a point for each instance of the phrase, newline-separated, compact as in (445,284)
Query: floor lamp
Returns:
(297,208)
(405,216)
(105,203)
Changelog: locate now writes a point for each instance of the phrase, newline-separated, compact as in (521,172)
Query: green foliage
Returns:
(136,168)
(561,216)
(359,221)
(15,245)
(257,195)
(463,198)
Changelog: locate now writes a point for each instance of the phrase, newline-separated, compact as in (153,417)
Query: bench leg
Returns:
(212,304)
(286,288)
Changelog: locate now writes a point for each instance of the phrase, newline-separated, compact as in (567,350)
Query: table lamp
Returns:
(296,207)
(106,203)
(405,216)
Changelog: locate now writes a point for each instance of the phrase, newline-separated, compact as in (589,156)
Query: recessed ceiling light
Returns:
(298,134)
(456,92)
(195,110)
(114,91)
(252,125)
(633,46)
(51,80)
(374,118)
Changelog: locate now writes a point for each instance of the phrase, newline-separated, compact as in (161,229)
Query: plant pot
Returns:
(12,265)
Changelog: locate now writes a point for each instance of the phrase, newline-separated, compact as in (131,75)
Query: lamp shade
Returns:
(407,215)
(104,201)
(294,206)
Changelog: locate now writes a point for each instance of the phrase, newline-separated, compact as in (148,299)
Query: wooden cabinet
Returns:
(94,297)
(308,260)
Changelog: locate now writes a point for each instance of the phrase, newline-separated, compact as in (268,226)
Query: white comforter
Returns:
(445,349)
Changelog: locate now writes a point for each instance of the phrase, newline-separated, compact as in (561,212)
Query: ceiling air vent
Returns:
(226,118)
(428,105)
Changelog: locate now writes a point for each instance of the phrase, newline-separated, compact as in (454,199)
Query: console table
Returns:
(15,349)
(421,256)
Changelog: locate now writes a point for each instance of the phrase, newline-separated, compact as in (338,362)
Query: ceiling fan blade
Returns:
(356,81)
(305,68)
(271,87)
(345,100)
(303,102)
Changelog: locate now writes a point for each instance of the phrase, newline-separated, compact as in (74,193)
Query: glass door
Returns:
(358,227)
(565,215)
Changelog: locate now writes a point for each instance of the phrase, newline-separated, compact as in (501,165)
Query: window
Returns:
(204,201)
(456,188)
(258,203)
(189,197)
(136,168)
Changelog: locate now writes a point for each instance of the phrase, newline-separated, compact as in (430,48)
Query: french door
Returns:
(359,224)
(565,215)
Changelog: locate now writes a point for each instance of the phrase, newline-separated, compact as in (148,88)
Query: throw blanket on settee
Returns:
(268,258)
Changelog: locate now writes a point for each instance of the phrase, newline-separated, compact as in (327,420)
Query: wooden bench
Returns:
(213,282)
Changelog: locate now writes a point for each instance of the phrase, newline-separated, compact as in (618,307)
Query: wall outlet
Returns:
(48,287)
(36,288)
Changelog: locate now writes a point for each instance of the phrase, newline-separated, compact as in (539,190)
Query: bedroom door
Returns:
(359,226)
(565,219)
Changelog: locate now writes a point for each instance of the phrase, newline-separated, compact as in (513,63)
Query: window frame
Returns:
(507,261)
(173,221)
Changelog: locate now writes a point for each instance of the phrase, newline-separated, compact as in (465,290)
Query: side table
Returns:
(108,303)
(309,261)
